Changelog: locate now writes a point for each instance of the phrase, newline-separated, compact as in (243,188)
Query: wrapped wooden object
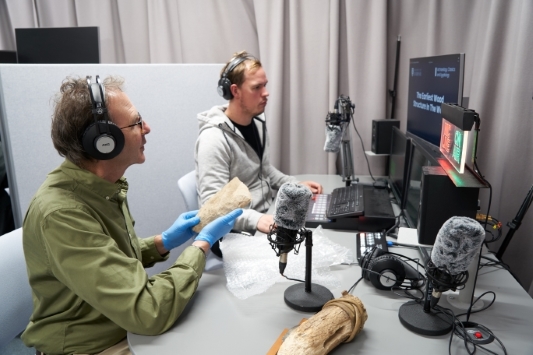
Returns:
(340,320)
(234,195)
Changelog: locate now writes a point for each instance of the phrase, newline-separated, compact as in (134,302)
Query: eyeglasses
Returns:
(140,122)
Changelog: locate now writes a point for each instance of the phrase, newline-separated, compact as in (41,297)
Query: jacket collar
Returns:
(94,183)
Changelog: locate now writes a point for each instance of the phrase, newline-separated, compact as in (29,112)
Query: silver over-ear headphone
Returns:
(102,139)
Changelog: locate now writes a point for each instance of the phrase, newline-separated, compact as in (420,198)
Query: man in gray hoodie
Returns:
(233,142)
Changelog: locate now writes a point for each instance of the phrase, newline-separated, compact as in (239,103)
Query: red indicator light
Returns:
(478,335)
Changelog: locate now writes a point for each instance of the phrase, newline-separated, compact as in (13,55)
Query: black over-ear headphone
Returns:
(385,270)
(102,140)
(224,84)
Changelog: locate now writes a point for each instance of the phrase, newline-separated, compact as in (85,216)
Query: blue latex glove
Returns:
(219,227)
(181,231)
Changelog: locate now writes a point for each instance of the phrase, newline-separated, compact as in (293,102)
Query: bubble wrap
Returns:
(251,266)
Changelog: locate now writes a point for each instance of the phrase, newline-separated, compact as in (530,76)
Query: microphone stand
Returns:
(515,224)
(424,319)
(346,150)
(307,297)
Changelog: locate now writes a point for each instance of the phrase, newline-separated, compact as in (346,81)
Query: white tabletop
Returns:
(216,322)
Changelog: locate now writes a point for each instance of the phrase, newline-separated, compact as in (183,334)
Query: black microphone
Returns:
(286,233)
(457,242)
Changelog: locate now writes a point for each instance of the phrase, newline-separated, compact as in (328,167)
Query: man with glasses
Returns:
(85,263)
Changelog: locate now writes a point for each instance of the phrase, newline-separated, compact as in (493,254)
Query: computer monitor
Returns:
(63,45)
(412,200)
(399,157)
(432,81)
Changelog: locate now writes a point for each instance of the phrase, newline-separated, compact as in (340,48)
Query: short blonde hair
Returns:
(236,76)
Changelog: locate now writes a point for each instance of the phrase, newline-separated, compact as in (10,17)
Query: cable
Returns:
(396,224)
(495,227)
(355,284)
(459,329)
(396,244)
(477,299)
(494,263)
(478,171)
(490,190)
(362,145)
(288,278)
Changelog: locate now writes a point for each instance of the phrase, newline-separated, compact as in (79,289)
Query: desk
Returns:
(216,322)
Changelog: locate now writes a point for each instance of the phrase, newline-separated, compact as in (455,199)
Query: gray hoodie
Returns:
(221,154)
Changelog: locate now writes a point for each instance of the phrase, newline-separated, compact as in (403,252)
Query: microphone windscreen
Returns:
(291,207)
(333,138)
(457,242)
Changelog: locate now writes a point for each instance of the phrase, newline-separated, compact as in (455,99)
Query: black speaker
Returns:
(102,140)
(8,56)
(440,200)
(382,134)
(224,84)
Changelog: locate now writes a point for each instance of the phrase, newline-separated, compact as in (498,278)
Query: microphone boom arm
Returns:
(346,155)
(515,224)
(346,113)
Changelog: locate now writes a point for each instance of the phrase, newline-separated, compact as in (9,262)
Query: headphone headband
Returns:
(234,62)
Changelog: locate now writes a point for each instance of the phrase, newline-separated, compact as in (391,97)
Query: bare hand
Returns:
(264,223)
(315,187)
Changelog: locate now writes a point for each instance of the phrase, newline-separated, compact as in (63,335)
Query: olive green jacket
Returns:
(86,267)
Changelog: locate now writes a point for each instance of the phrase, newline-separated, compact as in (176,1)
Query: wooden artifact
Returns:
(340,320)
(233,195)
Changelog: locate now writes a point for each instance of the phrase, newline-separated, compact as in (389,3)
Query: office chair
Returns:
(187,187)
(15,293)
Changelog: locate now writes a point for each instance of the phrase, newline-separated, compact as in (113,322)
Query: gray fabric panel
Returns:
(168,96)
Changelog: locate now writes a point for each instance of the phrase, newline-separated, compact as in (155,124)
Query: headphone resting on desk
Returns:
(385,271)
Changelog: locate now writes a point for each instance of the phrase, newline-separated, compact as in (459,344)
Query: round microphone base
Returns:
(413,317)
(297,298)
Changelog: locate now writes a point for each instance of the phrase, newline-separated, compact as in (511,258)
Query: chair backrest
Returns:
(187,186)
(15,293)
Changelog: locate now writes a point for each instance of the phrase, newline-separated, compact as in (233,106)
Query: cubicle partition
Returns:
(169,96)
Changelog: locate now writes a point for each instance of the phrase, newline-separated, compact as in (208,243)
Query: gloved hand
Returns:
(219,227)
(181,231)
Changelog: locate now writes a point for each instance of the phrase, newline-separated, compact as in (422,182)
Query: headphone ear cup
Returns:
(387,272)
(367,258)
(103,140)
(224,84)
(224,88)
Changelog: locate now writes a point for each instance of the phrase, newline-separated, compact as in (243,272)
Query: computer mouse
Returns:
(379,184)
